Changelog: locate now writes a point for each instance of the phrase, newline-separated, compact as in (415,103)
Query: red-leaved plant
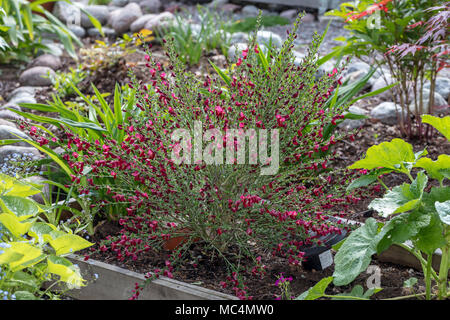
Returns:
(231,210)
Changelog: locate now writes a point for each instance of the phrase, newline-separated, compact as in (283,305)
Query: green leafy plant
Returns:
(192,42)
(419,220)
(62,81)
(32,251)
(410,38)
(22,24)
(251,24)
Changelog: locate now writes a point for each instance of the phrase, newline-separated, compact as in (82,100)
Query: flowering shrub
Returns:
(410,38)
(230,209)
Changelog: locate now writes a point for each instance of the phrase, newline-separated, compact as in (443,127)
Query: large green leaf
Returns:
(431,237)
(435,169)
(440,124)
(394,155)
(355,253)
(405,197)
(41,231)
(403,227)
(22,207)
(362,182)
(443,209)
(69,243)
(317,291)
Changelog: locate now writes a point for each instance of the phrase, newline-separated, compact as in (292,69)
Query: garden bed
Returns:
(210,272)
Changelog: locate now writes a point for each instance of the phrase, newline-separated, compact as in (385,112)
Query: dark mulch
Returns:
(211,270)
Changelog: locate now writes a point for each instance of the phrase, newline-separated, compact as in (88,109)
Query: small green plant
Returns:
(62,81)
(32,251)
(22,24)
(410,38)
(251,24)
(416,216)
(192,42)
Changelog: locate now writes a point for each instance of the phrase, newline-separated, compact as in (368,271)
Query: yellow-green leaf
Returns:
(440,124)
(435,168)
(30,255)
(65,270)
(22,207)
(13,224)
(14,187)
(69,243)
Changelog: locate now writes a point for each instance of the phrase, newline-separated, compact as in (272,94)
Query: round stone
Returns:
(37,76)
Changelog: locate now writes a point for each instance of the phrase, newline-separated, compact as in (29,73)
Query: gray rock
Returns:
(356,76)
(77,30)
(22,98)
(108,32)
(440,104)
(151,6)
(265,37)
(250,10)
(308,18)
(358,66)
(377,74)
(8,132)
(382,82)
(101,13)
(386,112)
(67,13)
(122,20)
(290,14)
(11,105)
(47,60)
(9,115)
(9,151)
(236,50)
(118,3)
(239,37)
(31,91)
(350,124)
(45,187)
(160,22)
(53,48)
(217,4)
(7,123)
(140,23)
(37,76)
(442,87)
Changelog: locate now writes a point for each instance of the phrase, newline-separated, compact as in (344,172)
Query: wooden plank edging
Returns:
(108,282)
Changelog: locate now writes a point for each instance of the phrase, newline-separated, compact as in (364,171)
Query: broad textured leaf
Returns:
(443,209)
(25,295)
(403,227)
(22,207)
(439,194)
(401,198)
(65,270)
(41,231)
(317,291)
(435,169)
(13,224)
(440,124)
(355,254)
(392,155)
(431,238)
(69,243)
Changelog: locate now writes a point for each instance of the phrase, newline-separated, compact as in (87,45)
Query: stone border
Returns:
(115,283)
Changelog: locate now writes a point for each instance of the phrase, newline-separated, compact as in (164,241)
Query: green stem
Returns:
(443,272)
(428,276)
(422,261)
(406,297)
(382,183)
(344,297)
